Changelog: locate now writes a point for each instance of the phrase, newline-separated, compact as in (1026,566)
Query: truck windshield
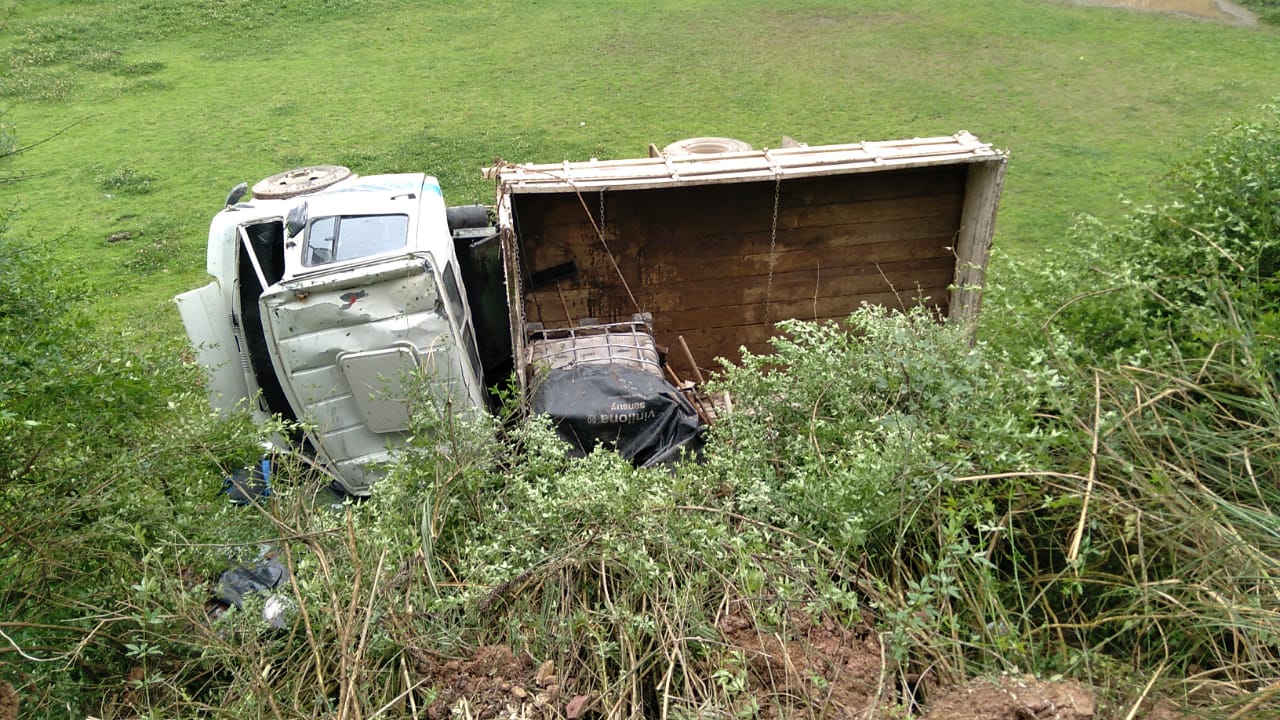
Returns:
(347,237)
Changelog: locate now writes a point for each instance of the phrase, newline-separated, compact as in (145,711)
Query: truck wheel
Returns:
(705,146)
(299,181)
(467,216)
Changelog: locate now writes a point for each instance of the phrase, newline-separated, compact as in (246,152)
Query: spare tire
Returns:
(467,216)
(300,181)
(705,146)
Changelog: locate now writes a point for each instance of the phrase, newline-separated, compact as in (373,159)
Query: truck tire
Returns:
(705,146)
(300,181)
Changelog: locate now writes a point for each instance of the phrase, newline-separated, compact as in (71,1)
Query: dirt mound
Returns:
(801,668)
(1014,699)
(492,683)
(811,667)
(8,702)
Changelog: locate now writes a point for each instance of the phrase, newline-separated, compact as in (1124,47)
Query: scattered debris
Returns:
(262,576)
(246,485)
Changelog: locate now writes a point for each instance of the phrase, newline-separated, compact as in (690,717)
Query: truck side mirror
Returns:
(296,220)
(237,193)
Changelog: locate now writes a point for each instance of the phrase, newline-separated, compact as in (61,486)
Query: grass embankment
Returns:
(176,102)
(1089,497)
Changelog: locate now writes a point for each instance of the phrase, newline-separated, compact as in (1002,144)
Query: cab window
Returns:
(454,296)
(348,237)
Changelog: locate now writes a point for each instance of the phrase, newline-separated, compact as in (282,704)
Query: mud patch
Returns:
(800,668)
(1014,699)
(1215,10)
(493,683)
(809,668)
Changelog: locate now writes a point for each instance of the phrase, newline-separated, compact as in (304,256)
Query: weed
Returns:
(125,180)
(137,69)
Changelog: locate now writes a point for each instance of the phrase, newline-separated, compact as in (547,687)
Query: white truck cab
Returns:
(328,295)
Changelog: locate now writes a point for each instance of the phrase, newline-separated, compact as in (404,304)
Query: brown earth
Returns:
(8,702)
(807,668)
(817,668)
(1014,699)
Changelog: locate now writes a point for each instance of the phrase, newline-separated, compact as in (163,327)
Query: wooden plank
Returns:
(734,167)
(724,342)
(822,308)
(719,261)
(826,259)
(873,222)
(977,227)
(608,301)
(539,211)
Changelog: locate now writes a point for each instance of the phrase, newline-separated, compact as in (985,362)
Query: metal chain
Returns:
(601,211)
(773,249)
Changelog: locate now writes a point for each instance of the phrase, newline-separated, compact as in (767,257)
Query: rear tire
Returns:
(300,181)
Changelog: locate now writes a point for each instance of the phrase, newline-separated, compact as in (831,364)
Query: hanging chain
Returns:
(773,249)
(601,211)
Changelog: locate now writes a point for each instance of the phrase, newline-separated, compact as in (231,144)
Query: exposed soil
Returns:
(492,683)
(808,668)
(1014,699)
(1213,10)
(812,667)
(8,702)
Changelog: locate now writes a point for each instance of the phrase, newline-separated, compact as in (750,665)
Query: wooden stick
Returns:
(564,304)
(1078,535)
(689,394)
(671,375)
(689,356)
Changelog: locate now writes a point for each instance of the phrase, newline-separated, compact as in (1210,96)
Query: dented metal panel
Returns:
(379,381)
(390,313)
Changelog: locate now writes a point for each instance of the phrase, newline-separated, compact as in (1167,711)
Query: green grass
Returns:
(194,97)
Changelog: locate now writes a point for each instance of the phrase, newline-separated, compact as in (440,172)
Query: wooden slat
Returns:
(545,211)
(739,166)
(608,301)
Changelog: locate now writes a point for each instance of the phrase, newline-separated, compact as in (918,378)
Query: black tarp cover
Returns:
(632,410)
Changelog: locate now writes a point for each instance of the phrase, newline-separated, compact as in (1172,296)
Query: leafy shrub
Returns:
(846,426)
(1165,545)
(1156,276)
(106,443)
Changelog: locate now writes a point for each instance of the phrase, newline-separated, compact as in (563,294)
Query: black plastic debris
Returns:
(636,412)
(250,483)
(262,576)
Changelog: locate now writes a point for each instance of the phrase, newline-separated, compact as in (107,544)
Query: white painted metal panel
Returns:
(205,316)
(379,382)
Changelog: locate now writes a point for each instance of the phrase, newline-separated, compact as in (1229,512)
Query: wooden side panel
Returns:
(714,263)
(973,246)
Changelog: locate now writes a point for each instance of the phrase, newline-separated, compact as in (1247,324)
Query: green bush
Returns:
(109,455)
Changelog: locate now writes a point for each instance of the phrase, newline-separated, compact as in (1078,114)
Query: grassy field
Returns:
(155,109)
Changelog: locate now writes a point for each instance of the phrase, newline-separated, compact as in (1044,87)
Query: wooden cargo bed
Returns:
(719,258)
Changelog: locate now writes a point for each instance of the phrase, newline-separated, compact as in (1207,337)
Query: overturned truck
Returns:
(607,287)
